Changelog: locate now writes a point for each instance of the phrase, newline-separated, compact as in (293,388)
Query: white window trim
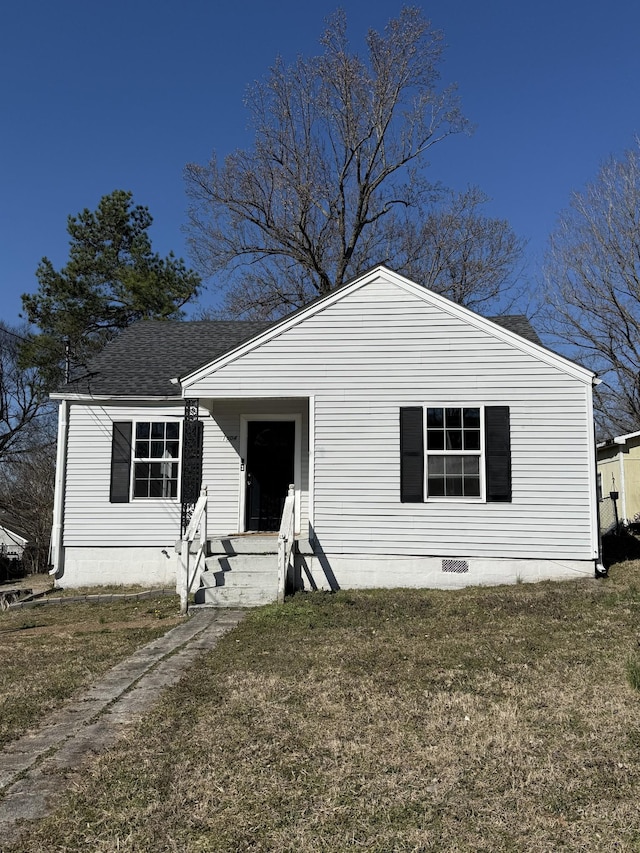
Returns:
(134,459)
(481,454)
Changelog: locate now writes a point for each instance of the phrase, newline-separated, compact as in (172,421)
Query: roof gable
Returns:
(514,330)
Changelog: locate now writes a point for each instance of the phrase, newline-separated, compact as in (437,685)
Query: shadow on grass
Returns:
(618,547)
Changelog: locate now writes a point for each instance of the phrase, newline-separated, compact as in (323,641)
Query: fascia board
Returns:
(113,398)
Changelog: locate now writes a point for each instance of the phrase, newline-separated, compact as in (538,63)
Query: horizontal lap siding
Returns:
(382,348)
(90,519)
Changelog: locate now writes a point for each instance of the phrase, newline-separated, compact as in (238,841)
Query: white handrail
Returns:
(186,574)
(286,538)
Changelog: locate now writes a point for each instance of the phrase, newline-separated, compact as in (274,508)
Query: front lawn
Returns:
(489,719)
(50,652)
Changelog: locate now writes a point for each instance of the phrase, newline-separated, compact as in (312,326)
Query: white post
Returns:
(184,577)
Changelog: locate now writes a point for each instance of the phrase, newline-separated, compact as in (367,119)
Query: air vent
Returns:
(459,566)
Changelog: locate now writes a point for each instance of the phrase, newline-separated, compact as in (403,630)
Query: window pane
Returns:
(173,489)
(435,486)
(454,465)
(142,449)
(435,418)
(454,439)
(454,418)
(157,430)
(471,419)
(472,439)
(435,439)
(155,489)
(142,430)
(172,449)
(141,489)
(157,449)
(436,465)
(454,487)
(472,465)
(472,487)
(141,471)
(173,430)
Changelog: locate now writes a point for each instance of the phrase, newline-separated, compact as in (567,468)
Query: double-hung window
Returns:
(455,452)
(156,459)
(145,460)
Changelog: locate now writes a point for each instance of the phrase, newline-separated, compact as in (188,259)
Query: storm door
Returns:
(269,471)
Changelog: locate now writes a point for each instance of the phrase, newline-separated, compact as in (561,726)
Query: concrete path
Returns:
(32,769)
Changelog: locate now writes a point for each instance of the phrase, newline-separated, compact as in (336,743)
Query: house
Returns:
(427,447)
(13,538)
(618,463)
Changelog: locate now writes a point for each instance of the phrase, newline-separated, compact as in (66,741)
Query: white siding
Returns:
(380,348)
(89,518)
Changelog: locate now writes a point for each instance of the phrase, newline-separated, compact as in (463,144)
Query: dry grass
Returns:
(492,719)
(48,653)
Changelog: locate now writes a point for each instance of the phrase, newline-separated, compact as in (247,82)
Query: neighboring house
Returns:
(427,446)
(619,473)
(13,539)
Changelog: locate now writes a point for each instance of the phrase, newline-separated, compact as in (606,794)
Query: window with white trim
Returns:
(453,452)
(156,459)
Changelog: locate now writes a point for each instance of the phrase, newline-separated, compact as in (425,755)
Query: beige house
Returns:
(619,472)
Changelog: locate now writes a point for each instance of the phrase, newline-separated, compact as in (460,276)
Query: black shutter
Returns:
(411,455)
(191,461)
(120,462)
(498,453)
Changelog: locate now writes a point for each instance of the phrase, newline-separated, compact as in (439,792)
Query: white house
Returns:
(13,539)
(427,446)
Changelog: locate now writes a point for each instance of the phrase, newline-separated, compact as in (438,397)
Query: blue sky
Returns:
(100,96)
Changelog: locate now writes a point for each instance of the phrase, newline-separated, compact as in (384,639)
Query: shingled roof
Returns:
(144,358)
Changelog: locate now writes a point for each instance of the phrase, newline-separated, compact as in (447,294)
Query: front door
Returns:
(269,471)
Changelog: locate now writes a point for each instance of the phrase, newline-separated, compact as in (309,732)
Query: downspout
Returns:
(57,531)
(600,568)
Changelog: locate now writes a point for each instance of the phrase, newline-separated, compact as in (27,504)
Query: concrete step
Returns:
(250,543)
(223,596)
(242,570)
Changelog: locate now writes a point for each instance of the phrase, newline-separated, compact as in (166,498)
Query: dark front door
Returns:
(269,470)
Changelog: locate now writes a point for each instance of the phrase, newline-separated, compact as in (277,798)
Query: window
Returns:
(454,450)
(153,448)
(461,452)
(156,460)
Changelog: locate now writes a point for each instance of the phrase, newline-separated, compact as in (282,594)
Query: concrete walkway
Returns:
(32,769)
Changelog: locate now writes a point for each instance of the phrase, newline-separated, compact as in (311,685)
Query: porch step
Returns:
(250,543)
(240,580)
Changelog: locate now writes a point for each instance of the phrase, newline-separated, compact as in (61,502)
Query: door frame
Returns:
(296,419)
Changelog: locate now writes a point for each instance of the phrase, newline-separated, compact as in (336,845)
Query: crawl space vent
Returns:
(455,566)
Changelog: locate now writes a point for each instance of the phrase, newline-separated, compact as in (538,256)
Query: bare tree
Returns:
(335,181)
(26,494)
(593,288)
(22,402)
